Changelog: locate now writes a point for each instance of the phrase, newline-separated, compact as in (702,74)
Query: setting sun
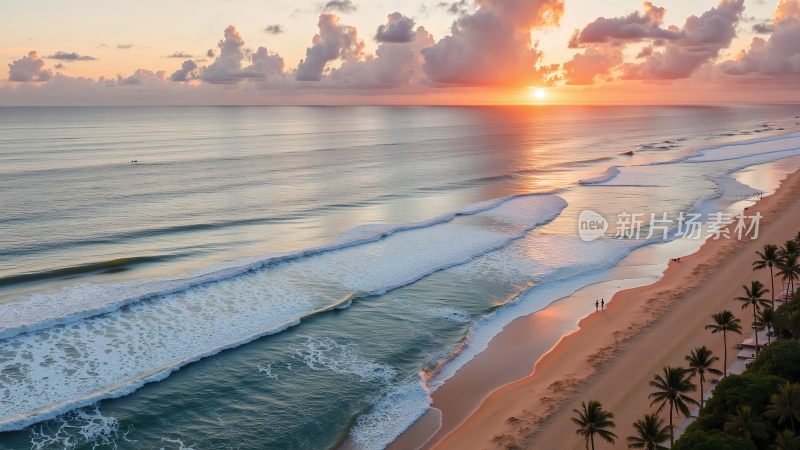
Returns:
(538,93)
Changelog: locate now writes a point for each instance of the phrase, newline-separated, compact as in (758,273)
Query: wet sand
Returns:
(611,356)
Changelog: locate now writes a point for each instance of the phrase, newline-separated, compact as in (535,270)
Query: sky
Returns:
(399,52)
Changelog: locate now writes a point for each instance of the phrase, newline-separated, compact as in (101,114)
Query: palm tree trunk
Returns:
(755,330)
(702,378)
(671,431)
(725,353)
(772,291)
(592,437)
(772,280)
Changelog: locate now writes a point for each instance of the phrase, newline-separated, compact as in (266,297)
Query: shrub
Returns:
(752,389)
(781,358)
(715,440)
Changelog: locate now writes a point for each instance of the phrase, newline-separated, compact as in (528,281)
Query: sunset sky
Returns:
(403,52)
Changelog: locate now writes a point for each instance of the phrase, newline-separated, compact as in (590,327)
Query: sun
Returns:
(539,93)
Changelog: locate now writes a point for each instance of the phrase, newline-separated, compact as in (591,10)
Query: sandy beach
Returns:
(614,353)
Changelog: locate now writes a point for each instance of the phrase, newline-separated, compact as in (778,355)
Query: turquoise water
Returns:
(286,277)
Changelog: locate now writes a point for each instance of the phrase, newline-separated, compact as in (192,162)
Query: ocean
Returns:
(294,277)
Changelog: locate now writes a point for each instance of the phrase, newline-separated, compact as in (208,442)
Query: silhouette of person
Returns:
(602,304)
(596,305)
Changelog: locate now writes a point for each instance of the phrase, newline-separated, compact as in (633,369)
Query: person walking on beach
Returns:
(602,304)
(596,305)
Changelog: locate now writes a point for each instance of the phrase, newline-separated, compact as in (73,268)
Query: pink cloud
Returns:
(584,68)
(702,38)
(634,27)
(188,71)
(228,67)
(28,68)
(399,29)
(493,45)
(787,9)
(779,55)
(394,64)
(334,41)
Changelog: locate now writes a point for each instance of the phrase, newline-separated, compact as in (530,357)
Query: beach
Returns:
(223,303)
(614,353)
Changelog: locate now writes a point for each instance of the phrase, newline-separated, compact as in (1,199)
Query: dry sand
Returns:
(615,353)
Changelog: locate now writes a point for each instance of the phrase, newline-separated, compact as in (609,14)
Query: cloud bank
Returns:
(493,45)
(490,45)
(342,6)
(229,68)
(779,55)
(70,56)
(28,68)
(400,29)
(334,41)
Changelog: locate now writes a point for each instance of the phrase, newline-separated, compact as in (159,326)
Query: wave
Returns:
(109,266)
(585,162)
(83,427)
(529,300)
(390,416)
(41,311)
(209,313)
(704,155)
(114,354)
(608,175)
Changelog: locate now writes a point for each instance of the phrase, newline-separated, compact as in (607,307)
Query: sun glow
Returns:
(538,93)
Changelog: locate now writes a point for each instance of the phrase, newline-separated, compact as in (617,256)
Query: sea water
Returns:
(290,277)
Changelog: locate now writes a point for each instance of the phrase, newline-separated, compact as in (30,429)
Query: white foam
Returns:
(451,314)
(178,442)
(390,415)
(608,175)
(773,146)
(50,371)
(45,310)
(267,370)
(78,429)
(342,358)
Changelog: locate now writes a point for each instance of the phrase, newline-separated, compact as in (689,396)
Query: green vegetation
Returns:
(592,420)
(758,409)
(761,407)
(725,321)
(650,433)
(701,362)
(671,389)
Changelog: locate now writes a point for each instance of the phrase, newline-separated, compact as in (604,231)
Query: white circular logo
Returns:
(591,225)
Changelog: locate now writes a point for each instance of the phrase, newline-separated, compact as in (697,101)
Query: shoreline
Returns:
(522,411)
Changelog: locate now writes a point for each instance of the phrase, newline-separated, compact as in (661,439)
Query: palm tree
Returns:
(767,317)
(789,270)
(671,388)
(752,296)
(725,321)
(785,405)
(745,424)
(591,420)
(770,257)
(786,440)
(790,248)
(700,361)
(651,433)
(788,252)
